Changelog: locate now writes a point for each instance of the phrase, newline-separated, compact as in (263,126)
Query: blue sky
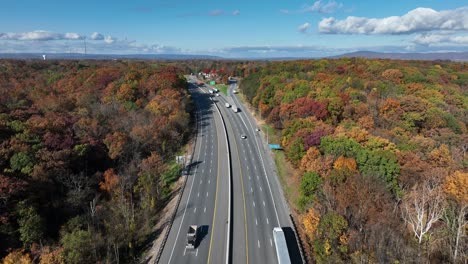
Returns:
(253,28)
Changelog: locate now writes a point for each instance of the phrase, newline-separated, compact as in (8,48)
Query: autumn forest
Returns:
(86,157)
(375,151)
(379,152)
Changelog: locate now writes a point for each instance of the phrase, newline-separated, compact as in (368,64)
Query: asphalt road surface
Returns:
(258,203)
(205,198)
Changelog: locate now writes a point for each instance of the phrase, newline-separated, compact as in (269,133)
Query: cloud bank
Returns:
(40,35)
(417,20)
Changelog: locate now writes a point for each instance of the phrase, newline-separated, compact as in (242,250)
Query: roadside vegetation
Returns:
(379,155)
(86,157)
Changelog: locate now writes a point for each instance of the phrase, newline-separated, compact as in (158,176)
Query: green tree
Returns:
(22,162)
(296,151)
(30,224)
(382,164)
(327,246)
(339,146)
(77,246)
(310,185)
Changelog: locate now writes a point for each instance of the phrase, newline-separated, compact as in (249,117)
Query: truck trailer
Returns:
(282,252)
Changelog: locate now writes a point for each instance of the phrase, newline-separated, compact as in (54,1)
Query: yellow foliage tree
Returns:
(49,256)
(456,186)
(345,163)
(311,155)
(311,221)
(17,257)
(441,157)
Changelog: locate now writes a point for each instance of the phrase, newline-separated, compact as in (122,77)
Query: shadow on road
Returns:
(291,241)
(202,233)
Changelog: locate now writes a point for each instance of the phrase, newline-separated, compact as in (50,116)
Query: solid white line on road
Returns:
(185,249)
(186,205)
(195,210)
(258,242)
(196,254)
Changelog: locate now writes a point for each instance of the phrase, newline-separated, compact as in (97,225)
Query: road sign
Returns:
(274,146)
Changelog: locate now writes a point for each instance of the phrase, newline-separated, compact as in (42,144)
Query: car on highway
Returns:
(257,129)
(243,136)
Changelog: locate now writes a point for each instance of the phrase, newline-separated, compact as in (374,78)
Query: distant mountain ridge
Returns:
(80,56)
(453,56)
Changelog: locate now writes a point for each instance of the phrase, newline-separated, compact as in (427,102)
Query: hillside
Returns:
(74,132)
(375,144)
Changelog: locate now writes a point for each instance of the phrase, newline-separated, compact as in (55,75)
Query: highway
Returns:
(258,203)
(257,184)
(205,199)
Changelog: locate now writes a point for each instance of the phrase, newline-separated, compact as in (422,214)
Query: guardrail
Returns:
(228,247)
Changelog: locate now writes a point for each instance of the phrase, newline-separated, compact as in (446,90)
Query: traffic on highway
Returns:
(232,202)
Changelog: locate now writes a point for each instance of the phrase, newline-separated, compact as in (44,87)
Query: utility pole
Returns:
(85,45)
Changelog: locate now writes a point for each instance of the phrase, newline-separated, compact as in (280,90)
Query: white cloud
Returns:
(439,39)
(109,40)
(417,20)
(236,13)
(97,36)
(40,35)
(317,7)
(322,7)
(304,27)
(73,36)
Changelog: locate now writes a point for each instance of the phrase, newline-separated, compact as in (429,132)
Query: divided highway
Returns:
(244,234)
